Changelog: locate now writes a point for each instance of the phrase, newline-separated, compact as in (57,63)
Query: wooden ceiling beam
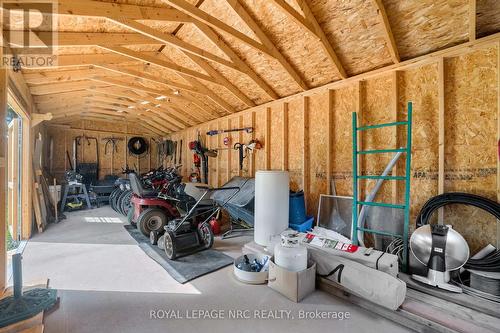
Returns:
(113,110)
(144,57)
(146,90)
(54,88)
(273,50)
(211,94)
(213,22)
(58,109)
(148,77)
(325,43)
(229,52)
(388,35)
(223,81)
(198,55)
(294,15)
(60,76)
(140,115)
(472,20)
(79,39)
(55,107)
(116,91)
(176,87)
(79,60)
(170,39)
(54,98)
(178,110)
(180,114)
(104,9)
(151,109)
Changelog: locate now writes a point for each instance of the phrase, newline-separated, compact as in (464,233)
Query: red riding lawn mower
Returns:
(147,211)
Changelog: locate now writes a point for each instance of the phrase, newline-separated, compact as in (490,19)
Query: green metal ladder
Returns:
(406,178)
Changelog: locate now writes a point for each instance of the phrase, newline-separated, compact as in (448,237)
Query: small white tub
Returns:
(250,277)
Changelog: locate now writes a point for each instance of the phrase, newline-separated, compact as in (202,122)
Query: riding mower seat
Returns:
(138,189)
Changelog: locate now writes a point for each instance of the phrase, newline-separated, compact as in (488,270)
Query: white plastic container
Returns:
(251,277)
(272,191)
(290,254)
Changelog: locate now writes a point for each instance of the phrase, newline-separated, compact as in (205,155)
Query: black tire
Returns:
(120,201)
(115,200)
(206,235)
(130,215)
(161,242)
(153,237)
(169,245)
(151,219)
(126,203)
(111,197)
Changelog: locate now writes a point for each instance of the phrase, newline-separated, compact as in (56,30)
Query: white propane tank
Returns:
(290,254)
(272,191)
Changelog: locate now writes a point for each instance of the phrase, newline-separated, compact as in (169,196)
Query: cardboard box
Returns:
(293,285)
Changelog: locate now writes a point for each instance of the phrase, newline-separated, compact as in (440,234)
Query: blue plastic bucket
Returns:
(304,226)
(297,208)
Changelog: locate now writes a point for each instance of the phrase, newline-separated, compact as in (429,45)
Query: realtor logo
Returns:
(29,34)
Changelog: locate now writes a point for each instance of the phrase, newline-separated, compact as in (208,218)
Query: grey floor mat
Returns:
(186,268)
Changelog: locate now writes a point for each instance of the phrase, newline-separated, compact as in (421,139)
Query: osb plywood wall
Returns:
(109,163)
(311,137)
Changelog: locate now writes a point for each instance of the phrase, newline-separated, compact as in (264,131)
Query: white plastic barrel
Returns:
(272,190)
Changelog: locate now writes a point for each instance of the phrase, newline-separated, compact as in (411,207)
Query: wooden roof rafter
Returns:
(98,9)
(388,35)
(53,88)
(152,110)
(230,53)
(119,92)
(137,114)
(158,93)
(309,22)
(149,77)
(266,42)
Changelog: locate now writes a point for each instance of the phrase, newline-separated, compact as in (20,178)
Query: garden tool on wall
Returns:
(245,149)
(215,132)
(112,142)
(203,154)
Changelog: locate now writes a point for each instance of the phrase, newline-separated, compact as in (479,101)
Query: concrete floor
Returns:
(108,284)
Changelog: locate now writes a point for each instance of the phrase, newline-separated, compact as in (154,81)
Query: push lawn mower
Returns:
(192,232)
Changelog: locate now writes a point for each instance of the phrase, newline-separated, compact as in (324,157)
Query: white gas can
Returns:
(290,254)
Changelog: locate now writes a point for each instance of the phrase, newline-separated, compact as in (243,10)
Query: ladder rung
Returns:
(381,204)
(380,151)
(383,177)
(397,123)
(377,232)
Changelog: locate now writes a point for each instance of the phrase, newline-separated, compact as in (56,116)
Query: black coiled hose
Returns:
(441,200)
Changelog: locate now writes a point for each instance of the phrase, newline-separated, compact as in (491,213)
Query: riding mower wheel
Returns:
(115,200)
(112,197)
(151,219)
(206,235)
(125,207)
(169,245)
(130,216)
(118,203)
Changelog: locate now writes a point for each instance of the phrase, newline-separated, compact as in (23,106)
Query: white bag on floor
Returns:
(375,286)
